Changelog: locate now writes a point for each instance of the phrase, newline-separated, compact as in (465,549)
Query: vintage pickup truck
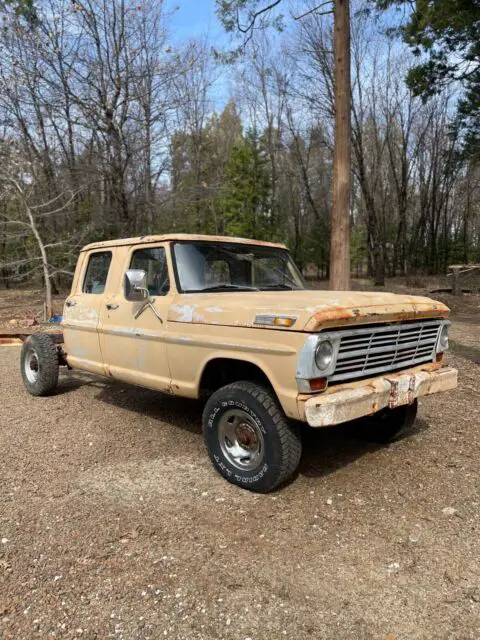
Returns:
(232,320)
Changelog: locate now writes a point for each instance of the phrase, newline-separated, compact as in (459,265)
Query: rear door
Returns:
(82,311)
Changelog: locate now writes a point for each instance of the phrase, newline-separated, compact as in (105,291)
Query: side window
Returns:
(97,272)
(270,271)
(217,272)
(154,262)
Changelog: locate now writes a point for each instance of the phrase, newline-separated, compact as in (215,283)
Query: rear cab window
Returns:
(97,272)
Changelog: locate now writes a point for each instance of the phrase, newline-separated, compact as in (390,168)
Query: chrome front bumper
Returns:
(353,400)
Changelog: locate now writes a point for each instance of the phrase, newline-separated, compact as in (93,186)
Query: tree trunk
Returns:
(379,265)
(340,238)
(45,266)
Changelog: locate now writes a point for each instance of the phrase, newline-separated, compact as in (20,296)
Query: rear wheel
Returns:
(386,425)
(248,437)
(39,365)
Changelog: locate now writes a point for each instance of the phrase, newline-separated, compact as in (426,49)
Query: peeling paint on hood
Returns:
(314,310)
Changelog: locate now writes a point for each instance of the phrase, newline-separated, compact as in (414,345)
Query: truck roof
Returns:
(177,236)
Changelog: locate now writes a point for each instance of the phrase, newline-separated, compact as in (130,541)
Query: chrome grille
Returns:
(364,352)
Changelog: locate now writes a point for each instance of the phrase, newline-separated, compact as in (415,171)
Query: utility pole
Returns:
(340,237)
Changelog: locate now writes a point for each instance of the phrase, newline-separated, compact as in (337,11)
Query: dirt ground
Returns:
(113,524)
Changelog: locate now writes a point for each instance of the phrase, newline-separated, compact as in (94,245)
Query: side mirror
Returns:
(135,284)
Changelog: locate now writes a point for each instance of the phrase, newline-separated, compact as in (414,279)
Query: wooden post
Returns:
(340,238)
(456,287)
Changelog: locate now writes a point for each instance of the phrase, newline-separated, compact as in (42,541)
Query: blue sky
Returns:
(195,18)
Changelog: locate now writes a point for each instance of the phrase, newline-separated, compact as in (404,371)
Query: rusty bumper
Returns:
(350,401)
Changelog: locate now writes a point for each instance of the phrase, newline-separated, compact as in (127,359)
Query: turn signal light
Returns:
(318,384)
(284,322)
(274,320)
(439,357)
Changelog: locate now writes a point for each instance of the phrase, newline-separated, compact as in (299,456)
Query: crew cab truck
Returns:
(232,320)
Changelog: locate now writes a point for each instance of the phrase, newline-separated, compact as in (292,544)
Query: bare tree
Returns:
(17,183)
(98,103)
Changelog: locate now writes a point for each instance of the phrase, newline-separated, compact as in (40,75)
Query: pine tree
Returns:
(246,199)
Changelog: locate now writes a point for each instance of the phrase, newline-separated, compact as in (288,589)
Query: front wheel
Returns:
(248,437)
(386,425)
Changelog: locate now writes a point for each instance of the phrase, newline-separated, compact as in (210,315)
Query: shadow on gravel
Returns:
(469,353)
(71,381)
(183,413)
(417,427)
(328,449)
(324,450)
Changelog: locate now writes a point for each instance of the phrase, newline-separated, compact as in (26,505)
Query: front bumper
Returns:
(353,400)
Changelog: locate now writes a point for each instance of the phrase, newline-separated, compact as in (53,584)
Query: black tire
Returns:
(39,365)
(386,425)
(258,421)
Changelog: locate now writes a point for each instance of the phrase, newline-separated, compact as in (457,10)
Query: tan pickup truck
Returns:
(232,320)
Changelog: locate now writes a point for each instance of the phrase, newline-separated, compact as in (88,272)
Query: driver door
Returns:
(134,348)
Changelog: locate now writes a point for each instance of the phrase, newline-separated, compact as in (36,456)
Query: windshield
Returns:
(219,266)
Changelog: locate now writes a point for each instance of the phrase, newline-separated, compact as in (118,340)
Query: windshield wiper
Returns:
(286,287)
(226,287)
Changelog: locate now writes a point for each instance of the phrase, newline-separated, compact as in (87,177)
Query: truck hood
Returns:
(313,310)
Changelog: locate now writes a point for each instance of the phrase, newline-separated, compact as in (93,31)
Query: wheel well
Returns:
(222,371)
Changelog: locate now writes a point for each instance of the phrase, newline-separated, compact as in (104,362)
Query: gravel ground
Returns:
(114,525)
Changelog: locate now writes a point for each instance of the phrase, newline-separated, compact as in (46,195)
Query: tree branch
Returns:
(315,9)
(256,15)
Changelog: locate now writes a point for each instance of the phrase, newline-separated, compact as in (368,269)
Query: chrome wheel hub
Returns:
(241,440)
(31,366)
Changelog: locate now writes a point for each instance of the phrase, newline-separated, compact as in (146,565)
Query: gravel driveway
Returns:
(114,525)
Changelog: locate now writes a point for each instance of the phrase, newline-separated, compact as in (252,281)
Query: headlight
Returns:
(443,338)
(324,354)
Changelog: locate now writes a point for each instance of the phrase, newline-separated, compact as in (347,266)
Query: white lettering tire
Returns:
(249,438)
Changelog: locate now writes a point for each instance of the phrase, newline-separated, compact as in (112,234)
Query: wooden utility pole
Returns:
(340,238)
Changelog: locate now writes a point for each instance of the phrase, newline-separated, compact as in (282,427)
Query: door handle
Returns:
(112,306)
(70,303)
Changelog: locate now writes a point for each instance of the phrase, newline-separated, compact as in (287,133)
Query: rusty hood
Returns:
(313,310)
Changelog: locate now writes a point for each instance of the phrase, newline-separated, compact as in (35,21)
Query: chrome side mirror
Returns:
(135,285)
